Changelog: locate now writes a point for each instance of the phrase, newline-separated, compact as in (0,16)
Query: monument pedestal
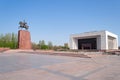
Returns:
(24,39)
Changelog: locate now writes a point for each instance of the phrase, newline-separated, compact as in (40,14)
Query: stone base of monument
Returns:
(24,39)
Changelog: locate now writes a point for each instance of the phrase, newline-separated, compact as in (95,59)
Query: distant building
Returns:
(98,40)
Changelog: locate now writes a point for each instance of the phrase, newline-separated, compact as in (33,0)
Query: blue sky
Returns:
(55,20)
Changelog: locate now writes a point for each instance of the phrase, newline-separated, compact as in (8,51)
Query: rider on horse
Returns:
(23,25)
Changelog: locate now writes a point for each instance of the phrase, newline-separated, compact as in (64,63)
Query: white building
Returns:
(99,40)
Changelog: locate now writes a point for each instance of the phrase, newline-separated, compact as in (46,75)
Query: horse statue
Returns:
(23,25)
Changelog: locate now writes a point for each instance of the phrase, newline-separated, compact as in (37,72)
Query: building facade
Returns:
(97,40)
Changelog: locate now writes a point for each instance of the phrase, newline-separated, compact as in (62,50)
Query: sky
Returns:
(56,20)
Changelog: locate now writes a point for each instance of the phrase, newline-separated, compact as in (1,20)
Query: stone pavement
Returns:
(24,66)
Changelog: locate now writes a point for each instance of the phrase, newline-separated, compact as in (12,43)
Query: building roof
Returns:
(94,33)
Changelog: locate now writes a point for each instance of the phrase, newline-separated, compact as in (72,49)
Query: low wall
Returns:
(4,49)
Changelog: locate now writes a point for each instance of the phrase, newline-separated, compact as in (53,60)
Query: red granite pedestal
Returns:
(24,39)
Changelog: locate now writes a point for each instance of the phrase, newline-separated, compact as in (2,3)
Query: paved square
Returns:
(24,66)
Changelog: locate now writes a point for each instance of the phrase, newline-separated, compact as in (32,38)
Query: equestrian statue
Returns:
(23,25)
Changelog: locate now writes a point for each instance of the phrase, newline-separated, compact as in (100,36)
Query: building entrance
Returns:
(90,43)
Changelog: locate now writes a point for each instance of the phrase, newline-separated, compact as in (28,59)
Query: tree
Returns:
(41,42)
(42,45)
(9,40)
(14,40)
(34,46)
(50,45)
(66,46)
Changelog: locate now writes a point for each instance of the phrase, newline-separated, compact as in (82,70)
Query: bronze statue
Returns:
(23,25)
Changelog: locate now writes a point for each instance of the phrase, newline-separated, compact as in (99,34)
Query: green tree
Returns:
(42,42)
(66,46)
(50,45)
(42,45)
(8,40)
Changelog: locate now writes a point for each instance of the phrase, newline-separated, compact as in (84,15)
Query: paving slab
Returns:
(24,66)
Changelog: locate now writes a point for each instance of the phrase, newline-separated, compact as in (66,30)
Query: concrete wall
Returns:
(98,42)
(115,39)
